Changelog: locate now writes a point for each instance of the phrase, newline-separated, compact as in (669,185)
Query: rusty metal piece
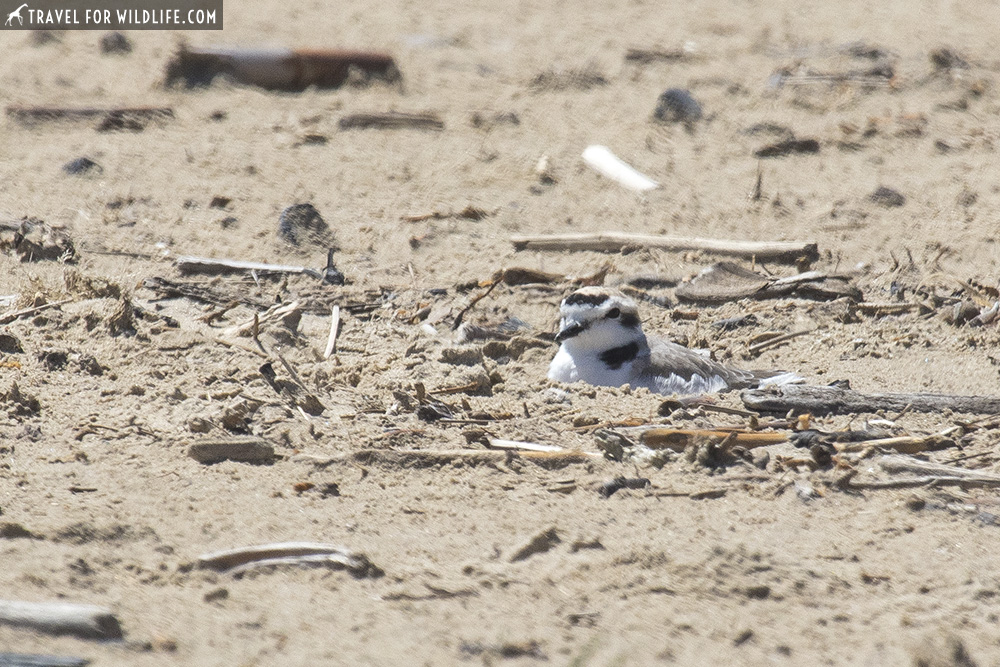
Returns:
(279,69)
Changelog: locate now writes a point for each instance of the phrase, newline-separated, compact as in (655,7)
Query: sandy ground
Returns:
(759,560)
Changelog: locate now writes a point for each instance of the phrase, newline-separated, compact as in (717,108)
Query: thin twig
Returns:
(331,342)
(754,349)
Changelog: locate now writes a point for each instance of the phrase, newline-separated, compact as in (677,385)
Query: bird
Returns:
(601,342)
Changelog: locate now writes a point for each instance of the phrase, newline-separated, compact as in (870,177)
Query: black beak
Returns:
(570,331)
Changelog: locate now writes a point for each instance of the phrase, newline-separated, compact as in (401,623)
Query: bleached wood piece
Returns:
(606,163)
(615,241)
(61,618)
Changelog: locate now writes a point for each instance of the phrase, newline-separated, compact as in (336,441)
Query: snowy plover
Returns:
(601,342)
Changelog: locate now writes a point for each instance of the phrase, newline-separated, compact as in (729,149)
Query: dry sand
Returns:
(100,503)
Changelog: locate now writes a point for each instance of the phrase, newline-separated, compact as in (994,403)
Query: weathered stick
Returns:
(29,115)
(906,444)
(606,163)
(40,660)
(771,342)
(830,400)
(331,341)
(61,618)
(678,439)
(391,120)
(429,458)
(10,317)
(242,559)
(615,241)
(515,445)
(188,264)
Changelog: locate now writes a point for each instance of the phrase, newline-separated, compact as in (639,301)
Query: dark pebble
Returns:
(887,197)
(115,42)
(81,165)
(677,106)
(788,147)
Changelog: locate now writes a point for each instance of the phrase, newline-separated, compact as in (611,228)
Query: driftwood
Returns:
(929,474)
(725,281)
(32,115)
(430,458)
(40,660)
(391,120)
(515,445)
(211,266)
(834,401)
(240,560)
(61,618)
(788,251)
(905,444)
(679,439)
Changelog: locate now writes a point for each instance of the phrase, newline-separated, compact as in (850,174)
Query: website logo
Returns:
(16,14)
(114,15)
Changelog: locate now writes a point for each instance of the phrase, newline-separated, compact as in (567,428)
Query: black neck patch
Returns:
(617,356)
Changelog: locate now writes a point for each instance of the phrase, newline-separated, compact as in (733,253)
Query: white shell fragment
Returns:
(607,164)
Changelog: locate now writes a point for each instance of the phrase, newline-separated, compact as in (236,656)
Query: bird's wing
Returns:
(668,358)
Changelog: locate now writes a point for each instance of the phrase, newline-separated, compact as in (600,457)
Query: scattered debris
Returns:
(391,120)
(833,400)
(36,241)
(470,212)
(679,439)
(726,281)
(784,251)
(601,159)
(250,449)
(554,79)
(244,559)
(422,458)
(61,618)
(280,69)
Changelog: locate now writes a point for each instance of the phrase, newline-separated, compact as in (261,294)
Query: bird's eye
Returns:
(613,314)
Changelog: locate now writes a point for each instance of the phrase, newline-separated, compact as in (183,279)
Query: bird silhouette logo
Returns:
(16,14)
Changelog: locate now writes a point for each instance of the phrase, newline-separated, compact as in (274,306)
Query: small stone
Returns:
(540,543)
(916,503)
(249,449)
(677,106)
(887,197)
(115,42)
(80,166)
(10,344)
